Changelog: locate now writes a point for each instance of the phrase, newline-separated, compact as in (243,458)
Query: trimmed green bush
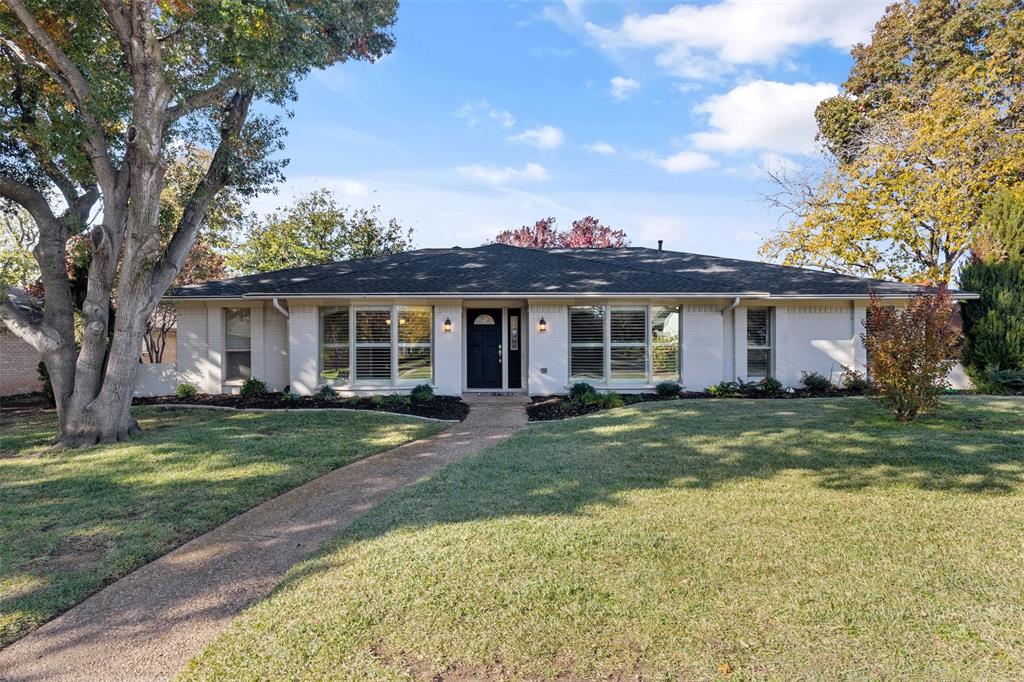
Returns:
(609,400)
(186,391)
(289,397)
(398,400)
(253,388)
(771,386)
(579,392)
(668,389)
(422,394)
(325,392)
(815,381)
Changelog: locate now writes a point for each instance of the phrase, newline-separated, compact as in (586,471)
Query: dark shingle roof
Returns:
(501,270)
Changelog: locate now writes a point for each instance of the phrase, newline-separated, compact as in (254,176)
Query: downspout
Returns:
(284,311)
(729,308)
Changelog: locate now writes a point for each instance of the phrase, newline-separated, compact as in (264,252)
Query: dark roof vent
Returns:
(659,244)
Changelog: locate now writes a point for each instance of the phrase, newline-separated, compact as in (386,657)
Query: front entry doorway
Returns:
(483,348)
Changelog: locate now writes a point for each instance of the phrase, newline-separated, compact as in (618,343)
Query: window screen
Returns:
(414,344)
(586,342)
(665,343)
(334,345)
(759,342)
(373,345)
(237,344)
(628,328)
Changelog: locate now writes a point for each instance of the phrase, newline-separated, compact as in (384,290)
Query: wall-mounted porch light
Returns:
(542,326)
(447,325)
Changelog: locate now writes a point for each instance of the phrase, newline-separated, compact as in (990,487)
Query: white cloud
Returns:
(685,162)
(700,41)
(499,175)
(623,87)
(545,137)
(351,188)
(600,147)
(474,112)
(763,116)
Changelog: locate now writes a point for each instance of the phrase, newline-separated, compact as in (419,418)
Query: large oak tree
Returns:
(95,98)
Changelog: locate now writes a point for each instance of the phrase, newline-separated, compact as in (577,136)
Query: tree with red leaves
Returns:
(544,234)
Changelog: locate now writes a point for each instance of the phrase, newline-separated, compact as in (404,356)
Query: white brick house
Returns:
(501,318)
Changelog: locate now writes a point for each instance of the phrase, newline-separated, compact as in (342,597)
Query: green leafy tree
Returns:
(925,132)
(994,324)
(95,99)
(316,229)
(17,239)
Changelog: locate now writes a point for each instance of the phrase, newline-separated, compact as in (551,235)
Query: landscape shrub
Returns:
(815,381)
(607,401)
(725,389)
(253,388)
(186,392)
(771,387)
(397,400)
(325,392)
(911,351)
(1003,381)
(579,392)
(422,394)
(378,401)
(288,396)
(854,381)
(668,389)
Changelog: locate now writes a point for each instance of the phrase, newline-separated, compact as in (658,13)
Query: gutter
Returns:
(732,306)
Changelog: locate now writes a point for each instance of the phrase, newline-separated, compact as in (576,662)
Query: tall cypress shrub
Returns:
(994,324)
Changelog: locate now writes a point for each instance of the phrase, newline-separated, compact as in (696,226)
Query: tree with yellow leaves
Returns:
(927,129)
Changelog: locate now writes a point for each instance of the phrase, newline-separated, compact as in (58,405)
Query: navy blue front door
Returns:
(483,348)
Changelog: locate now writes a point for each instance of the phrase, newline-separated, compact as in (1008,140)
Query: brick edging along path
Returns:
(147,625)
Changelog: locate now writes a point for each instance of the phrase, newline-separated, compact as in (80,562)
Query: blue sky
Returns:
(657,118)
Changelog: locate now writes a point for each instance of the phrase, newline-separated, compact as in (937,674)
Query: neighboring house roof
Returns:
(500,270)
(24,300)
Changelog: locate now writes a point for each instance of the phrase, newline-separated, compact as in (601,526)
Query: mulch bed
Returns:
(439,407)
(547,408)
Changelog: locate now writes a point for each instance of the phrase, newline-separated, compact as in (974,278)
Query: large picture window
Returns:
(335,349)
(635,345)
(376,345)
(665,343)
(586,343)
(415,325)
(237,344)
(759,342)
(373,345)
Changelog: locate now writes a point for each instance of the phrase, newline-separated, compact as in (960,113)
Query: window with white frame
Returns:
(759,342)
(415,331)
(665,340)
(628,350)
(237,344)
(586,343)
(624,344)
(373,345)
(363,345)
(335,346)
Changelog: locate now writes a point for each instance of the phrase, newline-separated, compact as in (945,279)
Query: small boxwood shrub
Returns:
(580,391)
(771,387)
(288,397)
(668,389)
(186,391)
(607,401)
(397,400)
(325,392)
(422,394)
(815,381)
(253,388)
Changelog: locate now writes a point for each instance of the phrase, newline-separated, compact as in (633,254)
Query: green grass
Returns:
(801,539)
(72,521)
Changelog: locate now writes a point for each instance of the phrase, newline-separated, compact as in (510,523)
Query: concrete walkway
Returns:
(148,625)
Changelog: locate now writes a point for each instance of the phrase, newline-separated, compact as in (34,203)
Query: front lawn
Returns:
(694,539)
(72,521)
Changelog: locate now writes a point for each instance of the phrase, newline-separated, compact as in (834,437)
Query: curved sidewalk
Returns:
(147,625)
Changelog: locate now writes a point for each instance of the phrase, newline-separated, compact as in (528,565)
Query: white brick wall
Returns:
(448,378)
(275,348)
(19,364)
(193,358)
(704,336)
(548,368)
(814,336)
(303,357)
